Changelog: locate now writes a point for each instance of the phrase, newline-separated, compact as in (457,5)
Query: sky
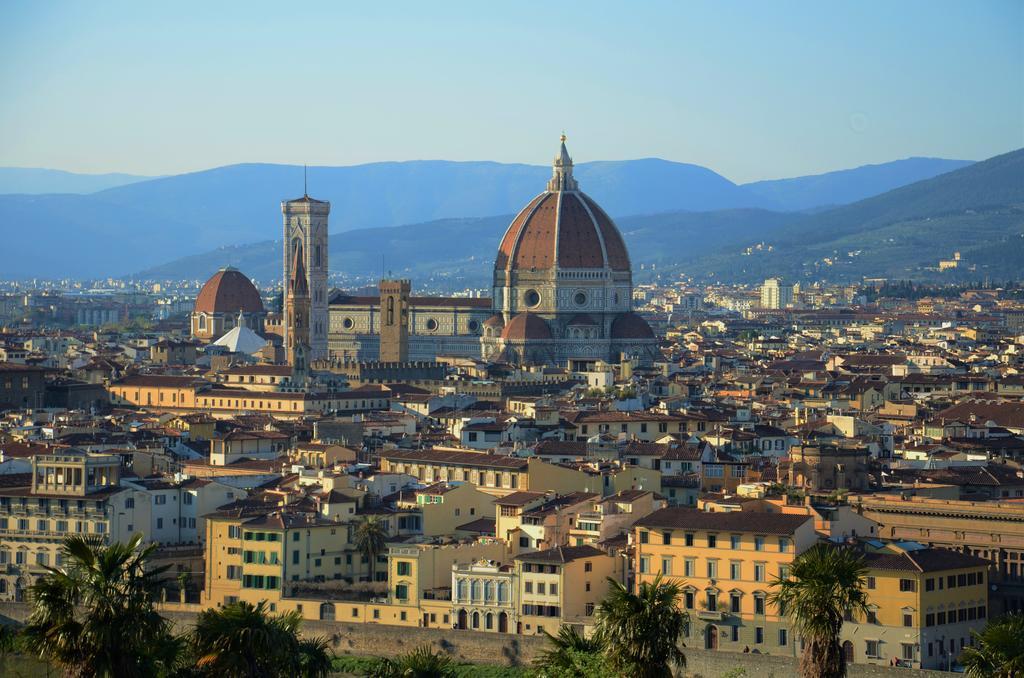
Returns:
(753,90)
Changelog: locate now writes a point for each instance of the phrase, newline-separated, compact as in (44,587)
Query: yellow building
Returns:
(726,563)
(258,553)
(420,574)
(923,604)
(176,394)
(321,455)
(502,475)
(990,530)
(562,585)
(443,507)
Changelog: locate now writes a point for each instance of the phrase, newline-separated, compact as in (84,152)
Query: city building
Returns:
(226,299)
(774,294)
(305,235)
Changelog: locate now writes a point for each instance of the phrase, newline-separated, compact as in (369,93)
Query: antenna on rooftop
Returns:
(305,184)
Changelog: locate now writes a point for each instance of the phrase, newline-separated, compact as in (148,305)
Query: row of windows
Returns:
(542,588)
(258,536)
(21,557)
(45,504)
(80,526)
(711,569)
(624,428)
(550,569)
(782,544)
(481,591)
(955,581)
(954,616)
(541,610)
(259,581)
(261,557)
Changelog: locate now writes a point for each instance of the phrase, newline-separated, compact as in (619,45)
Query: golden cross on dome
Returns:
(563,137)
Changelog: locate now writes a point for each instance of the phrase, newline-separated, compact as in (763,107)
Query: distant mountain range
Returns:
(35,181)
(846,186)
(977,210)
(141,225)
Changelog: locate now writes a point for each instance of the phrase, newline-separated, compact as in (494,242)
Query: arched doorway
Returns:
(476,620)
(502,623)
(462,619)
(489,621)
(327,611)
(711,637)
(848,652)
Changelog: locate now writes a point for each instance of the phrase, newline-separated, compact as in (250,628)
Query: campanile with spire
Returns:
(305,230)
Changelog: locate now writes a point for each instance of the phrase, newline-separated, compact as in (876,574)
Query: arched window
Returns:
(460,589)
(474,590)
(316,256)
(476,620)
(489,621)
(391,310)
(502,592)
(202,321)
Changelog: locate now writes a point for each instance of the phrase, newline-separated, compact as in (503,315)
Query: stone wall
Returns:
(511,650)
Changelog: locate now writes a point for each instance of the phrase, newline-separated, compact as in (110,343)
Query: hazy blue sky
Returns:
(750,89)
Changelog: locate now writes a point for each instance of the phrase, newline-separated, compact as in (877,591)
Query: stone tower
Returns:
(394,320)
(305,230)
(297,301)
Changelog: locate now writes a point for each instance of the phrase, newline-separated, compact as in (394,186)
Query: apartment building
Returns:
(726,562)
(70,491)
(923,604)
(563,585)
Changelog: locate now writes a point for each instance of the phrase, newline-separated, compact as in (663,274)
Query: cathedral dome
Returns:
(229,291)
(631,326)
(562,228)
(526,326)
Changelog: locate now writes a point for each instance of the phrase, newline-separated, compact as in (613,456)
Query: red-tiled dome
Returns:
(526,326)
(562,227)
(631,326)
(229,291)
(494,321)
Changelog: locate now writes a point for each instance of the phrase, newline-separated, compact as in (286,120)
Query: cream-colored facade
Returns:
(563,585)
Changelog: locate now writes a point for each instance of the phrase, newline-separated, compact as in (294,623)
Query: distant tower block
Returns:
(394,320)
(305,226)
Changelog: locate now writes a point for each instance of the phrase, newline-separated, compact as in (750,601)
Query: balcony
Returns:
(711,615)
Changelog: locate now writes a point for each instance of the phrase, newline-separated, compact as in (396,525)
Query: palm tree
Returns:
(422,662)
(572,655)
(641,631)
(242,639)
(1000,649)
(825,586)
(370,538)
(95,616)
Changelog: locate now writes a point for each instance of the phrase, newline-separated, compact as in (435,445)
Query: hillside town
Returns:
(494,464)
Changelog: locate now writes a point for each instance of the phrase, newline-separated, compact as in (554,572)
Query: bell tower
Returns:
(305,230)
(297,320)
(394,320)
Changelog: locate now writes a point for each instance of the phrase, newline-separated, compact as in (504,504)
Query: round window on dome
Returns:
(431,324)
(580,298)
(473,326)
(347,323)
(531,298)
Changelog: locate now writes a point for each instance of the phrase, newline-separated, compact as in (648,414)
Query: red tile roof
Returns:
(229,291)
